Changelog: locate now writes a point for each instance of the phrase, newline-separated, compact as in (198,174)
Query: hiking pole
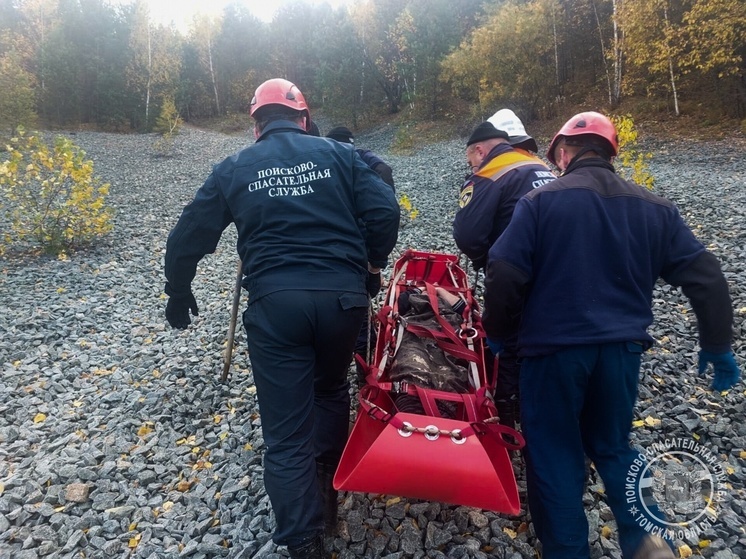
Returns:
(228,355)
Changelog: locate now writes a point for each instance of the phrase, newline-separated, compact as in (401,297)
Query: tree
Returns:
(508,60)
(17,101)
(652,32)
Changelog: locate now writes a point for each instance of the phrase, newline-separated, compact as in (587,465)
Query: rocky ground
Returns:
(117,438)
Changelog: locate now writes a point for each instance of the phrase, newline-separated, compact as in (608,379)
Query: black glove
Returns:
(177,310)
(373,283)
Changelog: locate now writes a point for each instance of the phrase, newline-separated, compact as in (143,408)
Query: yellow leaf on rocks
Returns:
(652,421)
(183,485)
(61,290)
(393,501)
(247,446)
(704,543)
(215,522)
(39,417)
(223,435)
(606,532)
(743,454)
(133,527)
(511,533)
(144,430)
(167,506)
(77,403)
(730,470)
(2,488)
(156,373)
(217,419)
(134,541)
(696,436)
(638,423)
(685,551)
(195,450)
(181,441)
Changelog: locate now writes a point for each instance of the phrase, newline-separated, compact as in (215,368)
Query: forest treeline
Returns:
(94,63)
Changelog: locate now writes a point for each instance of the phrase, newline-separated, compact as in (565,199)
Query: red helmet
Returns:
(278,91)
(590,123)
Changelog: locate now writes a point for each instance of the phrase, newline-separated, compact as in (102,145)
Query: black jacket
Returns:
(309,213)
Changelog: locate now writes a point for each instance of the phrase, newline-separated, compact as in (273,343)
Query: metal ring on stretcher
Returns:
(407,429)
(468,333)
(432,433)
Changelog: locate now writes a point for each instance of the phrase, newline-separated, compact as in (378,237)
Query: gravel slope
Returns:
(118,440)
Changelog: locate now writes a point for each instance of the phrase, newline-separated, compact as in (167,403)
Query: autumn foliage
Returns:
(50,199)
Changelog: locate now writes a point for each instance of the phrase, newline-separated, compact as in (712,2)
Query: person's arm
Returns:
(196,234)
(379,211)
(508,274)
(384,171)
(474,221)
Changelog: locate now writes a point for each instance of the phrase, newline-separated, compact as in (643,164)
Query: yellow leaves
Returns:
(184,485)
(510,533)
(134,541)
(606,532)
(704,543)
(77,403)
(406,204)
(2,488)
(167,506)
(187,440)
(222,436)
(648,421)
(50,198)
(202,465)
(156,373)
(61,290)
(742,455)
(40,417)
(247,446)
(145,429)
(217,418)
(685,551)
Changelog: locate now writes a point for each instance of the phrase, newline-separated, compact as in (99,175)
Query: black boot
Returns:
(325,474)
(309,549)
(509,412)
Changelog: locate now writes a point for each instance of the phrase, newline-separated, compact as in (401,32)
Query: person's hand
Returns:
(726,370)
(177,310)
(496,346)
(373,283)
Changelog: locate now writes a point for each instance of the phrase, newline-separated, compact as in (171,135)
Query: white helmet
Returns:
(506,120)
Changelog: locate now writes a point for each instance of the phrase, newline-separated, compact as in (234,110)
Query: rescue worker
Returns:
(344,135)
(297,202)
(507,120)
(501,175)
(366,339)
(573,274)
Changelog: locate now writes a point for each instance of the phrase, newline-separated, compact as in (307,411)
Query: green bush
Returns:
(50,200)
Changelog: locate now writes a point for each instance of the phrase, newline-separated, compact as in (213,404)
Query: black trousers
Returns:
(300,346)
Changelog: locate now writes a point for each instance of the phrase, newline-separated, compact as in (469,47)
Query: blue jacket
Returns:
(579,261)
(489,196)
(309,213)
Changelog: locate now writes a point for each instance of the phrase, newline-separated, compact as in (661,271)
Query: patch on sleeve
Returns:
(465,196)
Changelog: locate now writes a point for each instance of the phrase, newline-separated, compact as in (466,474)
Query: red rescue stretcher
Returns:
(452,449)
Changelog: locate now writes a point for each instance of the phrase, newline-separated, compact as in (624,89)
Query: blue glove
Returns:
(725,367)
(496,346)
